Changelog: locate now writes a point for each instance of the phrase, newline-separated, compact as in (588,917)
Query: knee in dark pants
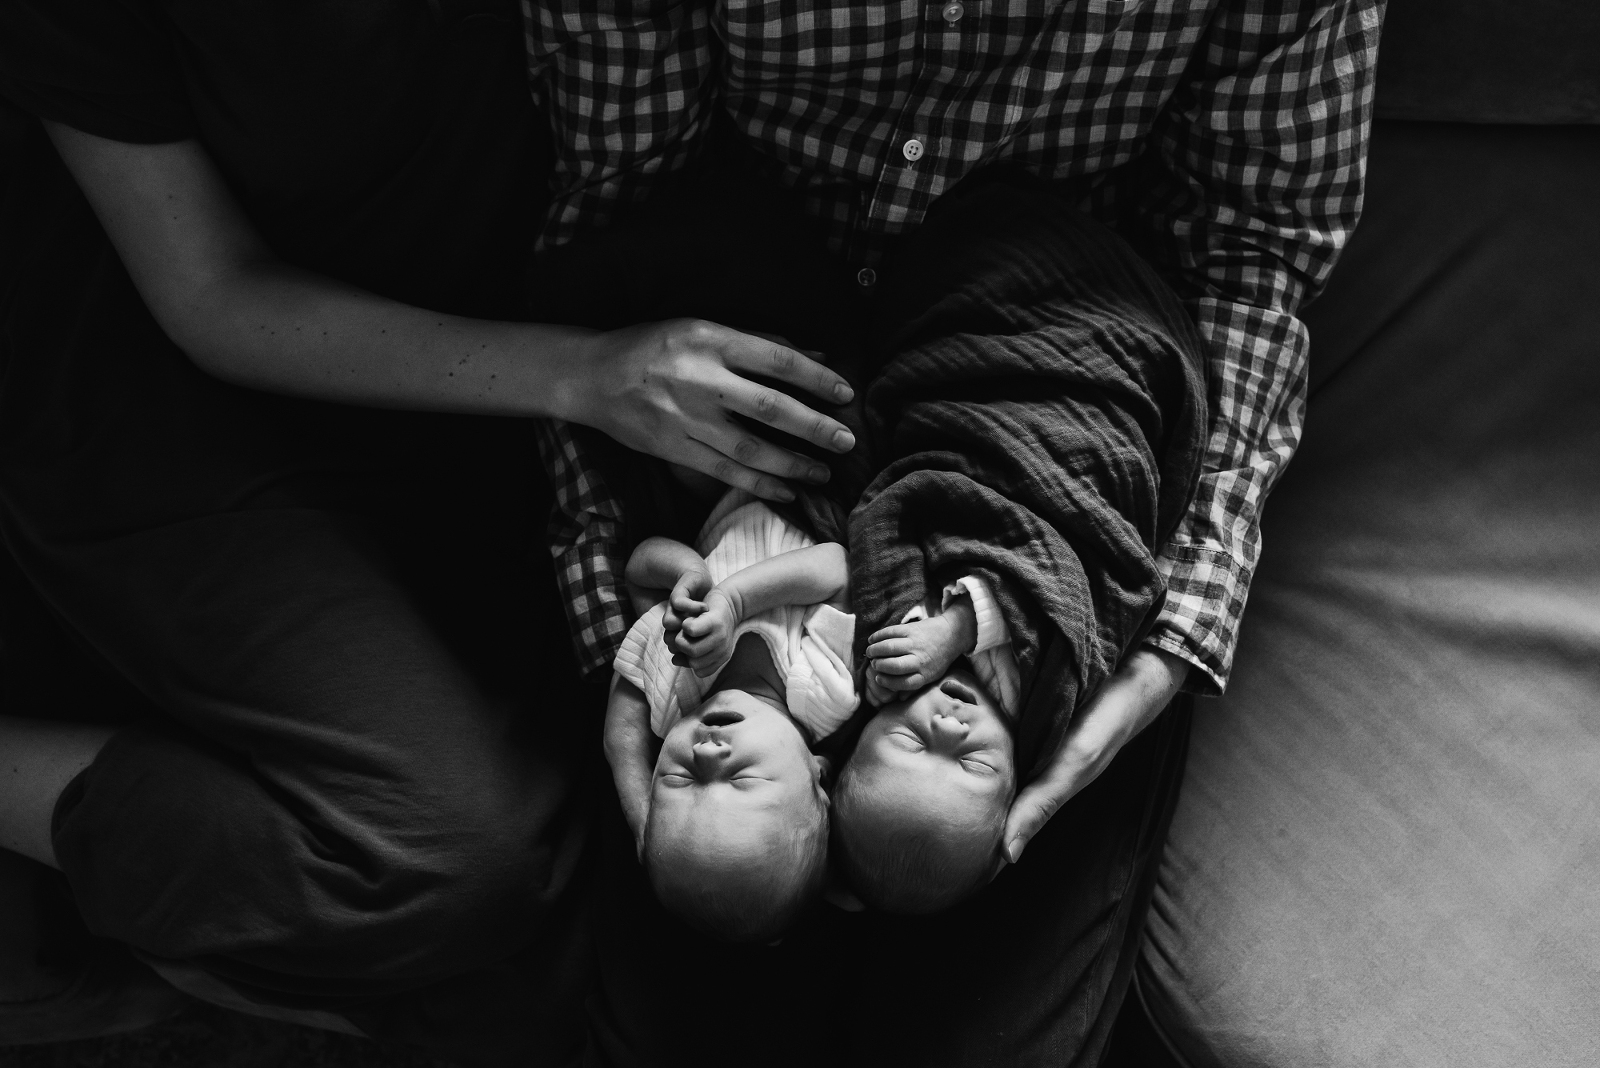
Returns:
(180,849)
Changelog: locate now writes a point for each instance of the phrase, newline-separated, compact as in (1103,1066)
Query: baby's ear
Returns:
(824,767)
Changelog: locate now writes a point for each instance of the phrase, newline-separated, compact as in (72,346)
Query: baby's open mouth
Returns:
(958,690)
(722,719)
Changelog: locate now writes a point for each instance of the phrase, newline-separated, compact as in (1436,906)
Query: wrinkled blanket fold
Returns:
(1037,411)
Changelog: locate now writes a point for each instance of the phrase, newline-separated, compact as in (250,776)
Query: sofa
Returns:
(1387,848)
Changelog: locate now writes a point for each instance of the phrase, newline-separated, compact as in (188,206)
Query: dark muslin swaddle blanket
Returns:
(1037,411)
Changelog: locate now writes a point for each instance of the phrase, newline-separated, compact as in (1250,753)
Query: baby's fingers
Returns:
(698,649)
(684,605)
(896,665)
(902,683)
(876,694)
(697,627)
(899,630)
(881,648)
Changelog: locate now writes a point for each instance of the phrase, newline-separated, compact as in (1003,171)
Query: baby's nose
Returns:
(709,753)
(948,729)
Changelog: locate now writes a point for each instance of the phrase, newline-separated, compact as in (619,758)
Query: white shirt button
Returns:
(867,276)
(953,11)
(912,150)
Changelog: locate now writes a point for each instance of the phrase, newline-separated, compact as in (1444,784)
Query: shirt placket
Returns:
(921,153)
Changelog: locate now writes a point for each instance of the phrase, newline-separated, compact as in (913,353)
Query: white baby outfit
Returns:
(810,644)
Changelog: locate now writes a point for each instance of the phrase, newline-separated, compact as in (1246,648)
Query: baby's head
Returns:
(737,838)
(919,810)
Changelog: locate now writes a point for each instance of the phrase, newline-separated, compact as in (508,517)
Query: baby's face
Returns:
(730,775)
(947,750)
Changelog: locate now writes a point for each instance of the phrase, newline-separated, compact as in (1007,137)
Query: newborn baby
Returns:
(921,804)
(743,667)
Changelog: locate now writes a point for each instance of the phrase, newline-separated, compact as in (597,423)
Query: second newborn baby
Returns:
(743,666)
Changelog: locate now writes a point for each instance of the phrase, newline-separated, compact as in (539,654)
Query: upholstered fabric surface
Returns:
(1502,61)
(1388,846)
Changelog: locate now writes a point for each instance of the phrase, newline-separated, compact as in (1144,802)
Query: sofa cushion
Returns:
(1532,61)
(1387,849)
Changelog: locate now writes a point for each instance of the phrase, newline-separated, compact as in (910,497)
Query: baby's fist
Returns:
(908,656)
(705,641)
(686,601)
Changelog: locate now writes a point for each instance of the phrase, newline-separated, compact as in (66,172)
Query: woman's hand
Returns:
(246,317)
(671,390)
(1126,704)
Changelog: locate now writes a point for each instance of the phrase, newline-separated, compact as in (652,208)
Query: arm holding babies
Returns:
(631,751)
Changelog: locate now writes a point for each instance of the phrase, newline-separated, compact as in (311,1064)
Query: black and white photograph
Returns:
(736,533)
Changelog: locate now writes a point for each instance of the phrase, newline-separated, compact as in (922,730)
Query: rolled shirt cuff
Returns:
(992,629)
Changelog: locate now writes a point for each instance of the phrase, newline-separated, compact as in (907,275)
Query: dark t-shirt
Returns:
(390,143)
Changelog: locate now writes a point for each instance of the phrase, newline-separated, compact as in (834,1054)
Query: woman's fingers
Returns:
(749,449)
(782,412)
(705,459)
(672,389)
(769,359)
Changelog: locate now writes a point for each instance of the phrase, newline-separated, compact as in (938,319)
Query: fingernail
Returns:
(842,393)
(785,494)
(1014,850)
(844,441)
(819,474)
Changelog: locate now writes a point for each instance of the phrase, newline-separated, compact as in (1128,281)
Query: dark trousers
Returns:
(355,742)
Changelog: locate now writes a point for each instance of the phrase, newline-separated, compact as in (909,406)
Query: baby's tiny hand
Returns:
(908,656)
(877,694)
(706,641)
(686,601)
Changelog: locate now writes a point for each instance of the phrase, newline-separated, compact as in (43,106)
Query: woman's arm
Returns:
(242,315)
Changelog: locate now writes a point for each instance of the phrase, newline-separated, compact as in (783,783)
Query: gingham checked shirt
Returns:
(1227,137)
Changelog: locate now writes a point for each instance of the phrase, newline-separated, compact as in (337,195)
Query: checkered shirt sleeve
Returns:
(585,538)
(628,87)
(1264,152)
